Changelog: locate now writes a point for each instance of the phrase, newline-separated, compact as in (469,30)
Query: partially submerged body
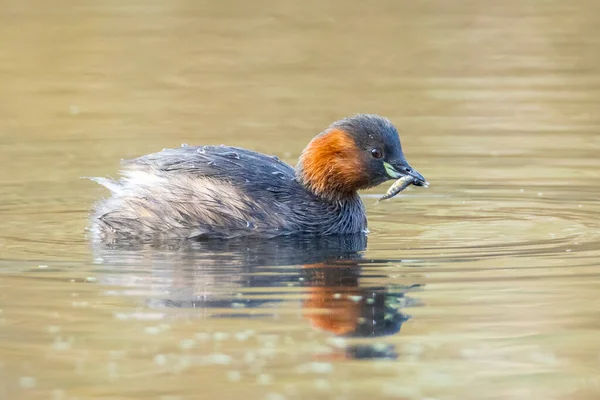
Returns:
(226,192)
(217,191)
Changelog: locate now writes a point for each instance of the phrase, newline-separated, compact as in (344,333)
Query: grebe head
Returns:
(352,154)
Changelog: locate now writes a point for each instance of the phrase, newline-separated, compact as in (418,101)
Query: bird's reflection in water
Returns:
(236,278)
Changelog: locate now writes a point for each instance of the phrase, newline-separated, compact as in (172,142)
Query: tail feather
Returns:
(110,184)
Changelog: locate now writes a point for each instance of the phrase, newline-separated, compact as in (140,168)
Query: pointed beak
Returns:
(399,168)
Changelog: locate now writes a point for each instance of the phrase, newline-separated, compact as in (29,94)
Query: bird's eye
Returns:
(376,153)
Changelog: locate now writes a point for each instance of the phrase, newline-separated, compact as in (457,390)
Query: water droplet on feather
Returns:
(231,154)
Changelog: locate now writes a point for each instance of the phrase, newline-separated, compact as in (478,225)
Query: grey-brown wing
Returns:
(233,164)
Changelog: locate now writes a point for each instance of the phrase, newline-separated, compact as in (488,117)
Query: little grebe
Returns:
(226,192)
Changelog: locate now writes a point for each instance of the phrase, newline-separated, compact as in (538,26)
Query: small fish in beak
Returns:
(398,186)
